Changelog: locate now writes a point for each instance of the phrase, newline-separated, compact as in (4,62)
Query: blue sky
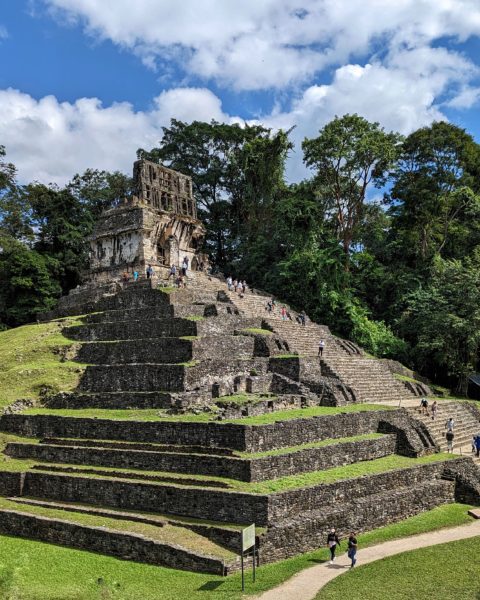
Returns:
(84,83)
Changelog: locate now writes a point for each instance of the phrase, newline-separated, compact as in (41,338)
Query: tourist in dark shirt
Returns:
(352,549)
(332,541)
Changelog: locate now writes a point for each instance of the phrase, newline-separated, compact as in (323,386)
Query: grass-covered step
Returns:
(134,494)
(162,545)
(254,434)
(108,444)
(227,535)
(129,330)
(266,466)
(263,502)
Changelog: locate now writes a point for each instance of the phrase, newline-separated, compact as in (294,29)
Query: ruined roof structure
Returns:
(157,226)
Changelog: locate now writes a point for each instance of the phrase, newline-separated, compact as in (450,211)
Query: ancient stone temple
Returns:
(158,225)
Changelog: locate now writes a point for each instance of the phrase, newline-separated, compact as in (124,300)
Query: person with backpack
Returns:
(424,406)
(332,541)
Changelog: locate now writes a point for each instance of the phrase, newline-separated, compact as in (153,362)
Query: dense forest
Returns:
(381,242)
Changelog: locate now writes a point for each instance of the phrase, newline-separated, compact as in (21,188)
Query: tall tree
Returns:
(350,154)
(434,199)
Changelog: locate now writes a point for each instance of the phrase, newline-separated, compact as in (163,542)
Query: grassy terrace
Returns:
(282,484)
(170,534)
(32,360)
(37,571)
(322,444)
(158,415)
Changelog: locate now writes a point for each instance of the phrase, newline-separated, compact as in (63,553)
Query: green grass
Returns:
(256,331)
(328,442)
(194,318)
(190,338)
(439,572)
(360,469)
(169,534)
(33,362)
(157,415)
(37,571)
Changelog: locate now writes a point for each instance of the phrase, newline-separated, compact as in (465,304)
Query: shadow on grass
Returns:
(210,586)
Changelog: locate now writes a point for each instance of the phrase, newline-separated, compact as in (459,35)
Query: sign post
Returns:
(248,541)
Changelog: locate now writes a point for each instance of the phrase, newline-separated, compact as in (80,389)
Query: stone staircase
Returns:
(467,424)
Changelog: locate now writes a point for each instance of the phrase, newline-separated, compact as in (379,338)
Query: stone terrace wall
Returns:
(127,546)
(200,503)
(258,469)
(260,438)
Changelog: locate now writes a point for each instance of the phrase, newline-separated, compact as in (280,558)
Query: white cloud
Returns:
(3,32)
(50,141)
(271,43)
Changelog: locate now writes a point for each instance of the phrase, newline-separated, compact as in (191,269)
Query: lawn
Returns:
(440,572)
(35,360)
(36,571)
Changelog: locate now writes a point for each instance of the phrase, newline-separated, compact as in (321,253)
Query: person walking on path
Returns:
(135,276)
(173,272)
(303,318)
(229,283)
(434,410)
(332,541)
(352,549)
(321,347)
(150,272)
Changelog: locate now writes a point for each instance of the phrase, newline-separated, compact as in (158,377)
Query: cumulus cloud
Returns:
(50,141)
(272,43)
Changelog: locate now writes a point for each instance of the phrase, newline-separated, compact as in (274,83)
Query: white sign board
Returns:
(248,537)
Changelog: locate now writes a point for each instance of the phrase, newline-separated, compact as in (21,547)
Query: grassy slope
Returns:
(169,534)
(441,572)
(36,571)
(31,359)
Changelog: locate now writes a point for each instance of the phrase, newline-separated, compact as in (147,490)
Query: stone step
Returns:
(227,536)
(308,530)
(257,468)
(166,545)
(130,330)
(128,400)
(146,377)
(169,350)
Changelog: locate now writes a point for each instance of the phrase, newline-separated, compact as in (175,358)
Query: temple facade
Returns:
(158,226)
